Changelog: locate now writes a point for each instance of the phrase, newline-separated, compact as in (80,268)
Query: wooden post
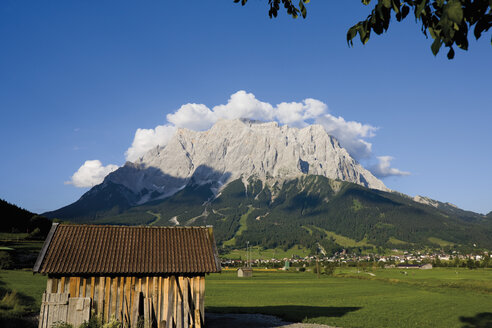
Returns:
(84,286)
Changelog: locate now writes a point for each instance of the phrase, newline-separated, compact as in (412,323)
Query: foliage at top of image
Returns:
(447,21)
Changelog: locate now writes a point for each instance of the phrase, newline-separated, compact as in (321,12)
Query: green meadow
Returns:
(384,298)
(442,297)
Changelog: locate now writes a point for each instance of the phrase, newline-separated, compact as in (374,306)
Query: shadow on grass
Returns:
(292,313)
(480,320)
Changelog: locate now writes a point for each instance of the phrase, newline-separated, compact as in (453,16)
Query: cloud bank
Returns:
(352,135)
(383,168)
(90,174)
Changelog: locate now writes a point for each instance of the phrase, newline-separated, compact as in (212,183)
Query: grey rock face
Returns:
(234,149)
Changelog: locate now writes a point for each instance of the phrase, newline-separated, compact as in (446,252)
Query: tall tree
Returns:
(446,21)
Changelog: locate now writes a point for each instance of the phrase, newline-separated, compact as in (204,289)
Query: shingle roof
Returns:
(123,250)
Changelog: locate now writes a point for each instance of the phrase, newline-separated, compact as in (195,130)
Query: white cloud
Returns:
(90,174)
(350,134)
(382,169)
(195,117)
(146,139)
(198,117)
(244,105)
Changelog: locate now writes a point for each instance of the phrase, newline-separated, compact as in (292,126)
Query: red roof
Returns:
(124,250)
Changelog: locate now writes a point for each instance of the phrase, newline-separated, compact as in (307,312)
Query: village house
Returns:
(245,272)
(155,275)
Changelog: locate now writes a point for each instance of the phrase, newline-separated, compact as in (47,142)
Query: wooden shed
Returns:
(152,274)
(245,272)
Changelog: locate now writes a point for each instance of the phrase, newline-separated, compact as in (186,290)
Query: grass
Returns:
(342,240)
(424,298)
(24,283)
(266,254)
(243,225)
(440,242)
(20,298)
(441,297)
(395,241)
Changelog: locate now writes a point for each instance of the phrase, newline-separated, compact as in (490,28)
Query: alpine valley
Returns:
(274,186)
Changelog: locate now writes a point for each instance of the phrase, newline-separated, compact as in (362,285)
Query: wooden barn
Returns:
(155,275)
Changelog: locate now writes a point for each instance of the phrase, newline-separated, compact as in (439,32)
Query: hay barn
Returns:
(155,275)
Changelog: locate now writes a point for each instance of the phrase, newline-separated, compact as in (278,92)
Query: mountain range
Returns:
(275,186)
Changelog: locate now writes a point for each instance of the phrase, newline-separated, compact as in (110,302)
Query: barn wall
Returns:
(172,301)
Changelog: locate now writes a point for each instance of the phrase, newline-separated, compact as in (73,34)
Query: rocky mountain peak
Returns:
(240,148)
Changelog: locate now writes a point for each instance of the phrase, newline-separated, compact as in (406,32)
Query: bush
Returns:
(5,260)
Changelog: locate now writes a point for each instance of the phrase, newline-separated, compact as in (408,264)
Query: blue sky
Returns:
(78,78)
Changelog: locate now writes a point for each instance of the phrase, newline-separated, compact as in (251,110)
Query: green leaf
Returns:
(436,45)
(420,8)
(303,9)
(387,3)
(454,11)
(366,2)
(451,53)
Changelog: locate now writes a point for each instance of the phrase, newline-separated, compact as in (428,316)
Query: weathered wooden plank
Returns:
(132,300)
(135,308)
(107,304)
(147,287)
(42,312)
(93,287)
(155,294)
(114,294)
(71,283)
(100,296)
(175,300)
(198,323)
(49,285)
(84,286)
(121,299)
(159,302)
(62,285)
(170,302)
(202,298)
(165,301)
(186,302)
(78,310)
(127,303)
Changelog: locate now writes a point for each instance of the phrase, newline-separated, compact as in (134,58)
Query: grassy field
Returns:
(379,298)
(423,298)
(266,254)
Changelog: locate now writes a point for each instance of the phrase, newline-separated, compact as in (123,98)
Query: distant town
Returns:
(398,259)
